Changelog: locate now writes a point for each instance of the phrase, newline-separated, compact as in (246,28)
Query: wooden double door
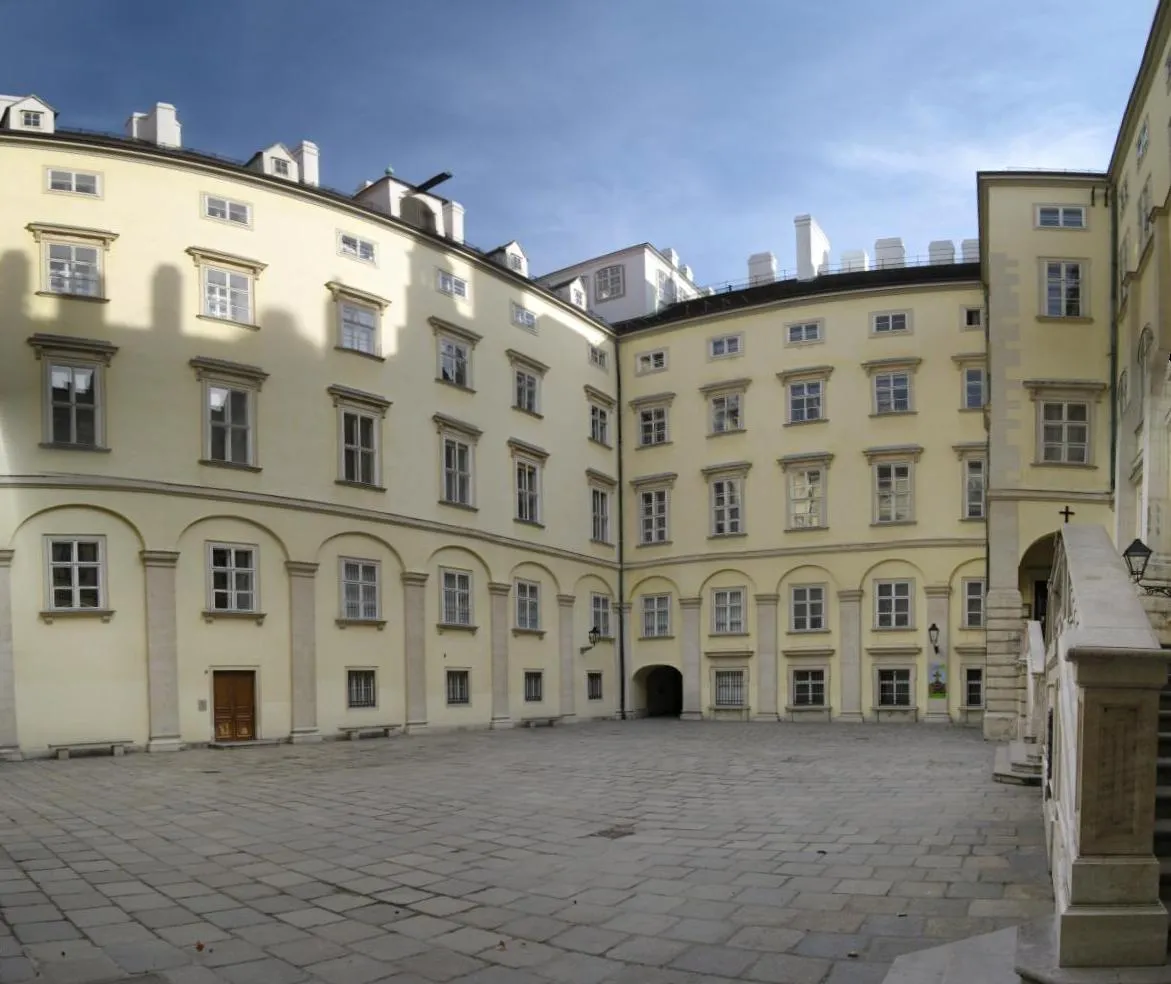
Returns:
(234,701)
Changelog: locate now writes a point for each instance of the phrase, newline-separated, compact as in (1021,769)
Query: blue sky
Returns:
(581,126)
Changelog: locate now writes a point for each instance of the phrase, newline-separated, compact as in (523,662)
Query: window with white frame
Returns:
(600,615)
(652,516)
(229,424)
(890,322)
(1061,216)
(227,295)
(74,182)
(809,688)
(974,603)
(455,601)
(455,361)
(807,608)
(728,611)
(450,284)
(656,616)
(32,119)
(729,688)
(1142,141)
(361,690)
(893,492)
(727,498)
(647,362)
(523,318)
(280,167)
(652,426)
(610,282)
(600,515)
(725,346)
(528,605)
(76,573)
(457,470)
(802,332)
(725,413)
(973,686)
(600,424)
(526,387)
(528,490)
(975,487)
(973,317)
(459,689)
(975,388)
(577,297)
(599,357)
(360,590)
(805,401)
(359,327)
(594,685)
(359,446)
(74,269)
(534,686)
(1065,432)
(892,604)
(892,392)
(355,247)
(226,210)
(75,404)
(232,572)
(894,688)
(1063,289)
(516,262)
(665,293)
(806,498)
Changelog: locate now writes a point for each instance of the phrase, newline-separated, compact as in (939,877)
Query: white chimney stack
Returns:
(812,248)
(854,260)
(941,251)
(686,271)
(889,253)
(672,257)
(453,221)
(970,249)
(762,268)
(308,160)
(160,126)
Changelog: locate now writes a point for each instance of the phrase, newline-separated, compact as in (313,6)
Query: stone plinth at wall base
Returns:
(169,743)
(937,717)
(306,737)
(691,716)
(999,725)
(415,727)
(10,753)
(1112,936)
(1037,961)
(501,723)
(850,717)
(768,718)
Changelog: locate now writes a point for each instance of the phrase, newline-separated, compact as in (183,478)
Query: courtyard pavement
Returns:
(639,852)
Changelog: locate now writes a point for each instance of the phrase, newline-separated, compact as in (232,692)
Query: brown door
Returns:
(235,705)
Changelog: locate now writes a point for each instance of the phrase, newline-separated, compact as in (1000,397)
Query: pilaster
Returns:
(303,631)
(415,649)
(498,593)
(938,614)
(850,653)
(162,650)
(568,667)
(766,654)
(627,688)
(9,742)
(692,703)
(1003,628)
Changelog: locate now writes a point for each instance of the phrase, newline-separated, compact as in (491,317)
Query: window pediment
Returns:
(450,424)
(208,368)
(520,360)
(892,452)
(603,399)
(441,327)
(214,257)
(729,469)
(648,483)
(601,478)
(909,363)
(968,360)
(805,372)
(652,400)
(523,448)
(88,348)
(894,652)
(822,458)
(1076,389)
(810,652)
(342,291)
(727,386)
(51,230)
(967,449)
(356,397)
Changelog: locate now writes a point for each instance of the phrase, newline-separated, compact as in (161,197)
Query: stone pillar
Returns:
(303,631)
(692,660)
(626,687)
(498,597)
(1002,675)
(415,649)
(566,660)
(162,650)
(766,654)
(850,653)
(9,743)
(938,615)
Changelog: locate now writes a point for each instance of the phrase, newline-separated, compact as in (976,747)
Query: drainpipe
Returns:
(621,538)
(1113,343)
(988,440)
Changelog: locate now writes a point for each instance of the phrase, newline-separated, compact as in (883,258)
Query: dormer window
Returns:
(578,297)
(515,262)
(280,168)
(31,118)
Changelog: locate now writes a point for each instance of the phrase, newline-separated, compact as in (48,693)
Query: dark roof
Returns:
(786,290)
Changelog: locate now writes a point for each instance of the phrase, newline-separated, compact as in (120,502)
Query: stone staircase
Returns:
(1019,763)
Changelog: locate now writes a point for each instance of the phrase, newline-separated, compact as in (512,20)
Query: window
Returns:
(600,515)
(359,447)
(806,331)
(653,516)
(894,688)
(360,689)
(227,295)
(892,490)
(528,605)
(600,424)
(973,317)
(1061,217)
(1144,205)
(280,167)
(227,210)
(890,323)
(528,491)
(456,598)
(974,603)
(726,413)
(534,686)
(728,611)
(1065,432)
(656,616)
(593,685)
(975,388)
(458,687)
(522,316)
(975,483)
(652,426)
(610,282)
(973,686)
(76,576)
(455,362)
(665,293)
(599,357)
(809,688)
(578,298)
(450,284)
(229,425)
(233,577)
(74,404)
(355,248)
(892,604)
(805,402)
(525,389)
(359,326)
(655,361)
(892,392)
(457,471)
(76,182)
(725,346)
(516,262)
(727,508)
(600,615)
(807,605)
(74,269)
(31,118)
(1142,141)
(1063,289)
(360,592)
(729,688)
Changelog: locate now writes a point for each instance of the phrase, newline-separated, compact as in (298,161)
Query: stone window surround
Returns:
(210,613)
(733,470)
(48,233)
(233,375)
(366,404)
(661,481)
(533,367)
(358,240)
(466,671)
(345,294)
(806,374)
(807,659)
(964,309)
(971,360)
(670,633)
(227,200)
(601,482)
(447,330)
(1084,227)
(98,176)
(88,353)
(469,626)
(651,353)
(825,609)
(820,322)
(1083,284)
(743,589)
(653,401)
(963,595)
(469,434)
(968,451)
(719,666)
(361,669)
(537,630)
(723,337)
(889,455)
(727,387)
(873,317)
(603,401)
(536,457)
(801,462)
(912,610)
(206,259)
(103,612)
(972,657)
(342,621)
(895,658)
(875,367)
(1087,391)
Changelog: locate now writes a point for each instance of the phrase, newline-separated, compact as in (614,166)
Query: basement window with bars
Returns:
(458,687)
(534,687)
(729,688)
(360,689)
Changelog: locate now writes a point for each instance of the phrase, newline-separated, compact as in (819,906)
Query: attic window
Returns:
(280,167)
(515,262)
(579,298)
(31,118)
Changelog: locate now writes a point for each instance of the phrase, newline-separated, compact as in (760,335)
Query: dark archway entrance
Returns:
(664,692)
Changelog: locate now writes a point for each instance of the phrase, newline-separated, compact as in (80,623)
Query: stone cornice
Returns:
(340,291)
(526,362)
(159,558)
(202,255)
(441,327)
(345,394)
(91,348)
(208,368)
(445,423)
(54,231)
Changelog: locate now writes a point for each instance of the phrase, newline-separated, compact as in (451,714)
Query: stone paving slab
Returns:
(646,852)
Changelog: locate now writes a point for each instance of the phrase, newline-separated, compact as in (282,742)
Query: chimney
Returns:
(672,257)
(453,221)
(970,250)
(762,268)
(686,271)
(941,251)
(812,248)
(160,126)
(308,162)
(854,260)
(889,253)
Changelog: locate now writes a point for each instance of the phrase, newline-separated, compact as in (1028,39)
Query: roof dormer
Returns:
(28,113)
(511,257)
(277,161)
(572,290)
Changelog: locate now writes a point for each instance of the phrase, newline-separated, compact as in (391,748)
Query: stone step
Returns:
(1007,770)
(254,743)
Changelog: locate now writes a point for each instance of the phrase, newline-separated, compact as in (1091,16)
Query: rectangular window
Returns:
(360,594)
(31,118)
(889,324)
(1065,432)
(656,615)
(77,182)
(610,282)
(360,689)
(524,318)
(726,413)
(599,424)
(975,389)
(280,167)
(652,426)
(973,686)
(450,284)
(653,516)
(74,269)
(809,688)
(457,471)
(600,615)
(534,686)
(1063,289)
(806,498)
(727,510)
(809,331)
(892,392)
(1142,141)
(600,515)
(892,488)
(359,328)
(229,425)
(973,317)
(233,577)
(359,447)
(455,361)
(729,688)
(528,605)
(1061,217)
(892,604)
(593,685)
(459,689)
(73,405)
(807,604)
(526,386)
(598,357)
(227,210)
(725,346)
(578,297)
(528,492)
(975,483)
(76,580)
(227,295)
(974,603)
(651,361)
(456,599)
(894,688)
(804,401)
(356,248)
(728,611)
(1144,205)
(516,262)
